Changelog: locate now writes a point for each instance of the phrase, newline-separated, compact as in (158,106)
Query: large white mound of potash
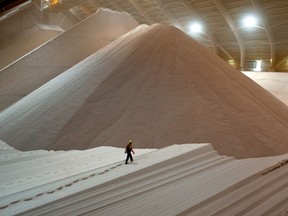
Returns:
(156,86)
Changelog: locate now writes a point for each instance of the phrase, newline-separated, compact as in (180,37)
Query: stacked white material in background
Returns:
(275,83)
(62,52)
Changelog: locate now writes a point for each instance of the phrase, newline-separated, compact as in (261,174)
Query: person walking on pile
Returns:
(128,150)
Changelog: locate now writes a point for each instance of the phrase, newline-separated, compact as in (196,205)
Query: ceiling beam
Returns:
(191,9)
(142,12)
(180,26)
(215,44)
(233,27)
(268,31)
(196,16)
(168,14)
(86,10)
(282,61)
(229,56)
(76,13)
(115,5)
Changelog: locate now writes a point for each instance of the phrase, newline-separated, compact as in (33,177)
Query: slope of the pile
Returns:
(274,82)
(54,57)
(157,87)
(26,28)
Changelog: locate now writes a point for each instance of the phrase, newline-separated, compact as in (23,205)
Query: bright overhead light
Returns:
(250,21)
(195,28)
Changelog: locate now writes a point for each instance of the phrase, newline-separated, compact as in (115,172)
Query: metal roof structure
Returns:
(223,30)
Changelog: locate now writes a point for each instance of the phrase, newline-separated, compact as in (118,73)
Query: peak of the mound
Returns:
(158,87)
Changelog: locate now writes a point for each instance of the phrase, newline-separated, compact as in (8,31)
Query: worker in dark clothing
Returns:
(128,150)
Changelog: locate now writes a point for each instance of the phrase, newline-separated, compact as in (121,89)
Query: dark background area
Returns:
(6,5)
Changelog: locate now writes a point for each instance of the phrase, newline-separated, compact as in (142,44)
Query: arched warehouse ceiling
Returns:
(239,31)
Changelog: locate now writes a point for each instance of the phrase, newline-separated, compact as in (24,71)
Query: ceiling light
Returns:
(250,21)
(195,28)
(54,2)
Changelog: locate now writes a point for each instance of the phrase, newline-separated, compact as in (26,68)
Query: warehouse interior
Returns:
(200,87)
